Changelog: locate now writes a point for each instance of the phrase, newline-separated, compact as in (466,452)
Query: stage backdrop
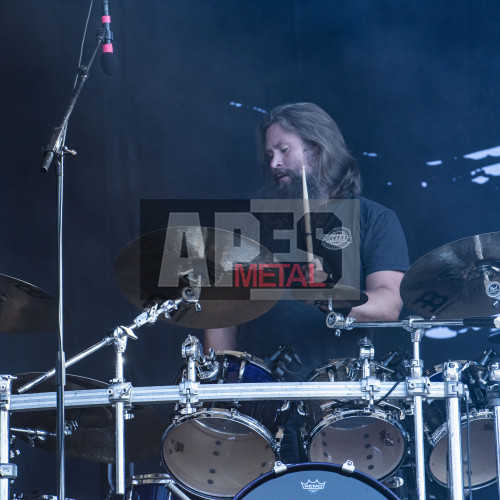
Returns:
(413,86)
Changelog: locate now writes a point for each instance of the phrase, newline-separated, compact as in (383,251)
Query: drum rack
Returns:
(369,389)
(190,393)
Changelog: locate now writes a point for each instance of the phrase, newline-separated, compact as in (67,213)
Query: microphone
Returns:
(108,62)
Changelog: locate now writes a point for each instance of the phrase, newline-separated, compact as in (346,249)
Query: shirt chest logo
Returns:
(337,239)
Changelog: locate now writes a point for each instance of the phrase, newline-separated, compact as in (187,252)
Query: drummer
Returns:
(289,137)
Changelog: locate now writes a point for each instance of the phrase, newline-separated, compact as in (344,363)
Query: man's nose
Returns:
(276,161)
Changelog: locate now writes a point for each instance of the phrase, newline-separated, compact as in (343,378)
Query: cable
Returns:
(83,40)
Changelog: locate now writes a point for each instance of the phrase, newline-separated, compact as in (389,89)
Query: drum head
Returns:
(216,453)
(482,451)
(326,481)
(375,445)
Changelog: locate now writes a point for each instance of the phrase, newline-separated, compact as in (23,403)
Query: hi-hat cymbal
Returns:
(94,437)
(158,265)
(453,281)
(25,308)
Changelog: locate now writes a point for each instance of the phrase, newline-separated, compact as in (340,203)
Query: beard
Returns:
(293,190)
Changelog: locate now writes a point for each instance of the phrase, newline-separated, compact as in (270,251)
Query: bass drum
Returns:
(374,439)
(320,479)
(221,447)
(481,431)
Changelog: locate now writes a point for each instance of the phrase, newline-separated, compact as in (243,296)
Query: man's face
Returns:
(287,153)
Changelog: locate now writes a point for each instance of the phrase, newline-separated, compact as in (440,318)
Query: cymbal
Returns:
(449,282)
(343,296)
(158,265)
(94,437)
(25,308)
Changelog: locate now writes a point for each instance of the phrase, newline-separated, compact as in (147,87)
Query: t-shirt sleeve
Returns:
(383,244)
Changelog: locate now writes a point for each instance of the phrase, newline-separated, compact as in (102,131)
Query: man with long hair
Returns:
(301,136)
(294,135)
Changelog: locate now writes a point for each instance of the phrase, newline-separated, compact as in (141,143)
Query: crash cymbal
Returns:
(94,437)
(343,296)
(453,281)
(25,308)
(158,265)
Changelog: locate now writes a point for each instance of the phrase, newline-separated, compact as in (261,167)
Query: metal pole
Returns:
(418,386)
(497,443)
(451,376)
(7,471)
(120,347)
(493,394)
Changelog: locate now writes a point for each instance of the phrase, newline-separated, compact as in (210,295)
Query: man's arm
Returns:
(384,301)
(382,287)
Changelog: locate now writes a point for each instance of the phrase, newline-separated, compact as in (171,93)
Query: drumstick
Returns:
(307,217)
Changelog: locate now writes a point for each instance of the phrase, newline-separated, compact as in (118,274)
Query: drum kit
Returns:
(366,426)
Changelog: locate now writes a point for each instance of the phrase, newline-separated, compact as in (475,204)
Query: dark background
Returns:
(408,83)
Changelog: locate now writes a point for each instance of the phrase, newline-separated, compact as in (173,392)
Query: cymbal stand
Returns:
(493,395)
(119,391)
(454,391)
(8,471)
(417,386)
(149,316)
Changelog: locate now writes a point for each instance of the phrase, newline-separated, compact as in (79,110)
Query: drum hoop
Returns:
(243,355)
(224,414)
(255,425)
(329,364)
(433,440)
(359,413)
(438,369)
(474,415)
(378,413)
(329,467)
(154,478)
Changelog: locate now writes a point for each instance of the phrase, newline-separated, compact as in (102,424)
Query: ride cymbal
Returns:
(457,280)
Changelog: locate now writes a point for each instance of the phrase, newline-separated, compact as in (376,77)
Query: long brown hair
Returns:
(336,168)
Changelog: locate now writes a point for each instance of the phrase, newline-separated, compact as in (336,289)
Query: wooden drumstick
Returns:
(307,217)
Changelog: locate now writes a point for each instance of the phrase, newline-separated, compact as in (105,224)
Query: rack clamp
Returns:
(188,396)
(370,385)
(8,471)
(5,391)
(418,386)
(120,392)
(452,380)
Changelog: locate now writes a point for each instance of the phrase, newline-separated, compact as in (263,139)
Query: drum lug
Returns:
(279,468)
(278,437)
(348,466)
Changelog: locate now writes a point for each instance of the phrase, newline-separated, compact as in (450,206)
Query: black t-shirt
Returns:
(365,238)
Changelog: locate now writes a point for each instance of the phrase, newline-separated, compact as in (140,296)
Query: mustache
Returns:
(280,172)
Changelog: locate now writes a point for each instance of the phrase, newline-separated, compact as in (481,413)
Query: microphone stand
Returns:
(56,148)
